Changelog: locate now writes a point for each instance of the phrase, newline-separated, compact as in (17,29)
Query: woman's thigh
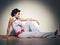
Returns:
(30,26)
(26,34)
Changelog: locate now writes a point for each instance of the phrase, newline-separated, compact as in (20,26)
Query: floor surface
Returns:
(10,40)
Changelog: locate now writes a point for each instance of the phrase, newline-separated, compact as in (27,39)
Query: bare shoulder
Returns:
(11,20)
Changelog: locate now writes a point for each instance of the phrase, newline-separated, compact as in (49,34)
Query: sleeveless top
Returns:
(17,21)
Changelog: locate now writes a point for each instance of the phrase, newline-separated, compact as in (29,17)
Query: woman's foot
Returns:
(56,32)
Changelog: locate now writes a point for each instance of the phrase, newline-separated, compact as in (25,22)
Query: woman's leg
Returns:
(35,32)
(31,26)
(26,34)
(47,34)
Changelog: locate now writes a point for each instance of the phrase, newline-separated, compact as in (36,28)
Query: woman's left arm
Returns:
(29,19)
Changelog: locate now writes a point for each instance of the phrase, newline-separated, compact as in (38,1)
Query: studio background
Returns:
(45,11)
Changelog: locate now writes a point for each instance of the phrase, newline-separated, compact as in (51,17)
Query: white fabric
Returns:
(35,32)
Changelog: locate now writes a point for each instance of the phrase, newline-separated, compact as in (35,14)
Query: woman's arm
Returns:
(29,19)
(9,25)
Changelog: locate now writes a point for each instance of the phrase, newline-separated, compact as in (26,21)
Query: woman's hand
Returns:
(34,20)
(37,22)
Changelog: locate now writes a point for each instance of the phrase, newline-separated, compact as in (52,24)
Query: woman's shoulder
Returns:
(11,19)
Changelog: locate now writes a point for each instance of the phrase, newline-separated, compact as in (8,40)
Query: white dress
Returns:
(17,26)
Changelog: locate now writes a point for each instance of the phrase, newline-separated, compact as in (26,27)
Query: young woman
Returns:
(23,31)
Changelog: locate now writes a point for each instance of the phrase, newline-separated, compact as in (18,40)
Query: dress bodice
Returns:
(16,22)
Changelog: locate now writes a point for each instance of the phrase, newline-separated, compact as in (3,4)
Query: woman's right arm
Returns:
(9,25)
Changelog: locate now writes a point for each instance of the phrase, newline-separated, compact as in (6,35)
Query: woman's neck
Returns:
(15,17)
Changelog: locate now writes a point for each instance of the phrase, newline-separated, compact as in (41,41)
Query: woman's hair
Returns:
(14,11)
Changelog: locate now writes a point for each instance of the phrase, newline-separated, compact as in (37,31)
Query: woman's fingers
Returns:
(37,22)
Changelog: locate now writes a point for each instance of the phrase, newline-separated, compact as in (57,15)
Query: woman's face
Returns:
(17,15)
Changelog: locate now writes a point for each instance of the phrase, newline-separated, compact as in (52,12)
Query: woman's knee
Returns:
(28,22)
